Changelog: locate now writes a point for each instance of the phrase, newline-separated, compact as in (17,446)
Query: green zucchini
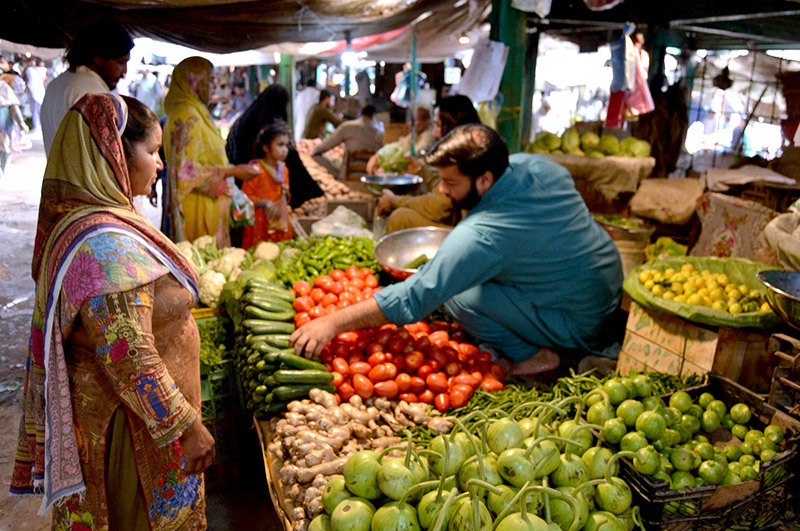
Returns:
(272,358)
(257,326)
(286,376)
(272,408)
(254,358)
(277,340)
(267,303)
(260,390)
(298,392)
(298,362)
(258,313)
(263,348)
(262,376)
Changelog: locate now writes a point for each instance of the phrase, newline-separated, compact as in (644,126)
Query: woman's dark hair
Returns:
(104,38)
(456,110)
(270,106)
(141,119)
(267,134)
(474,148)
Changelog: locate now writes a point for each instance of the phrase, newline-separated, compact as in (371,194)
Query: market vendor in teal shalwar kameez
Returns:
(527,271)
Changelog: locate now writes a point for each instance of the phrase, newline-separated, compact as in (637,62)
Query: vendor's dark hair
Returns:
(323,94)
(456,110)
(474,148)
(368,110)
(104,38)
(268,134)
(140,120)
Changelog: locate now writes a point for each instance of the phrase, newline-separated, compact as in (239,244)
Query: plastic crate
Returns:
(768,501)
(220,391)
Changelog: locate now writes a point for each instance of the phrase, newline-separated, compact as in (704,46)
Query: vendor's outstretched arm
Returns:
(311,337)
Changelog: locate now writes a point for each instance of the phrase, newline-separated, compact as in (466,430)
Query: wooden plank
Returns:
(701,344)
(283,506)
(663,330)
(653,355)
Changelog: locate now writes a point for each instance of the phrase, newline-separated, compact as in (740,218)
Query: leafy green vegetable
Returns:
(391,158)
(213,339)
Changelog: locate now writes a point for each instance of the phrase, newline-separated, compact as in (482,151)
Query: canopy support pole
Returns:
(286,77)
(508,27)
(529,80)
(414,89)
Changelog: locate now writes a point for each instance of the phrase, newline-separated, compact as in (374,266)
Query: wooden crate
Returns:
(363,207)
(667,343)
(283,506)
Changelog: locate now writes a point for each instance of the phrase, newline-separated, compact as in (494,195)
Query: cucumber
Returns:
(298,362)
(253,359)
(272,291)
(270,382)
(260,365)
(272,408)
(257,326)
(260,390)
(266,284)
(267,303)
(277,340)
(263,348)
(272,358)
(254,339)
(298,392)
(262,376)
(258,313)
(286,376)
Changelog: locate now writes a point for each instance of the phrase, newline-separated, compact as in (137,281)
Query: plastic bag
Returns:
(341,222)
(739,271)
(242,209)
(640,101)
(623,62)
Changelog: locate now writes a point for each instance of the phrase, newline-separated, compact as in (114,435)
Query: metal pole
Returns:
(414,89)
(508,26)
(702,89)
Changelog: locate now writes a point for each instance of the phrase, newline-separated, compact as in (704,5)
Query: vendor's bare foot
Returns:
(545,360)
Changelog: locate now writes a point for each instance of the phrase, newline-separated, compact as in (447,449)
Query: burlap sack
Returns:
(670,201)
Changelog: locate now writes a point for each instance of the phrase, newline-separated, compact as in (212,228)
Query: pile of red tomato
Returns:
(420,362)
(331,292)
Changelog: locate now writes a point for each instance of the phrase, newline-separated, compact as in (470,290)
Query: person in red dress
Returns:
(269,191)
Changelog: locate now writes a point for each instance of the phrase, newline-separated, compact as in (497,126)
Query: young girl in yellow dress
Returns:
(269,191)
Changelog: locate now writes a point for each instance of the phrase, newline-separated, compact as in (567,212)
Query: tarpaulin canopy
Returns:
(234,25)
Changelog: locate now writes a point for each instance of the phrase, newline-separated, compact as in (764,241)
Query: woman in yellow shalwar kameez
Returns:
(198,197)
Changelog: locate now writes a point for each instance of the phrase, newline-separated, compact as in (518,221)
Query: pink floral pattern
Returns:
(84,277)
(730,226)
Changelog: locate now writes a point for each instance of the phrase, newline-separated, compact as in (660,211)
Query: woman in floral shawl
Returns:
(111,434)
(198,197)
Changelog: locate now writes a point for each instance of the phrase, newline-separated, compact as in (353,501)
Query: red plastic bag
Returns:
(640,101)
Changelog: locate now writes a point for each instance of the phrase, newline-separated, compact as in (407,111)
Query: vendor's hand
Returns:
(372,165)
(385,202)
(309,339)
(244,172)
(197,446)
(414,165)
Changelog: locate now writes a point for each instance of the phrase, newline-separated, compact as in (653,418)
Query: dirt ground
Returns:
(236,501)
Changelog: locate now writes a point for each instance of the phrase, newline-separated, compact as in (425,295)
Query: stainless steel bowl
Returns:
(784,293)
(399,184)
(399,248)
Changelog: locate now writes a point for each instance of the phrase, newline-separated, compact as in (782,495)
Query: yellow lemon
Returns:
(669,272)
(744,289)
(735,308)
(719,305)
(658,289)
(765,307)
(644,276)
(695,298)
(649,284)
(680,298)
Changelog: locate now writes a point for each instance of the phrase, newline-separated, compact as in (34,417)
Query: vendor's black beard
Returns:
(470,201)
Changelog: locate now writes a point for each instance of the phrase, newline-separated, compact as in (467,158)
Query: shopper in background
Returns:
(12,125)
(361,134)
(147,89)
(269,191)
(198,196)
(98,59)
(303,102)
(240,100)
(270,106)
(425,138)
(320,115)
(35,82)
(111,427)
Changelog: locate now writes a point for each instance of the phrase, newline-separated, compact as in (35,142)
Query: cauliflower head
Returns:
(203,241)
(266,251)
(230,260)
(185,248)
(211,284)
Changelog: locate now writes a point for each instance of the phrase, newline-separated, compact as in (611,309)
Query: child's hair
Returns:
(268,134)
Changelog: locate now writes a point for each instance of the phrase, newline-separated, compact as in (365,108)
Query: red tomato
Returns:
(325,355)
(458,335)
(439,338)
(439,325)
(400,363)
(330,309)
(360,367)
(316,312)
(408,397)
(370,281)
(351,272)
(303,304)
(338,379)
(414,360)
(442,402)
(450,353)
(423,327)
(361,343)
(328,299)
(355,356)
(348,337)
(357,283)
(328,367)
(438,356)
(403,382)
(477,375)
(413,328)
(340,350)
(464,388)
(365,271)
(372,348)
(387,389)
(396,344)
(336,288)
(423,371)
(466,379)
(366,293)
(300,319)
(436,382)
(391,369)
(380,372)
(324,282)
(482,357)
(417,384)
(458,399)
(316,295)
(452,368)
(301,287)
(341,365)
(376,359)
(425,396)
(337,275)
(422,343)
(346,391)
(467,350)
(497,371)
(383,336)
(362,386)
(491,384)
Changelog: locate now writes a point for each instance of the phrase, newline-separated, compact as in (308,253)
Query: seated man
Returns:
(526,271)
(425,138)
(361,134)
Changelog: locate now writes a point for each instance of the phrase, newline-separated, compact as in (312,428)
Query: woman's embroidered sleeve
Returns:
(205,180)
(120,327)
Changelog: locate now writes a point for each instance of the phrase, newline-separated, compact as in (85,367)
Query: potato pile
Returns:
(333,188)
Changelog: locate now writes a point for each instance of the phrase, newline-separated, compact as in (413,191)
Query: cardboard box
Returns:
(667,343)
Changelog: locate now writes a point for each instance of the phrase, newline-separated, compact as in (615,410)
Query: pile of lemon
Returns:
(703,288)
